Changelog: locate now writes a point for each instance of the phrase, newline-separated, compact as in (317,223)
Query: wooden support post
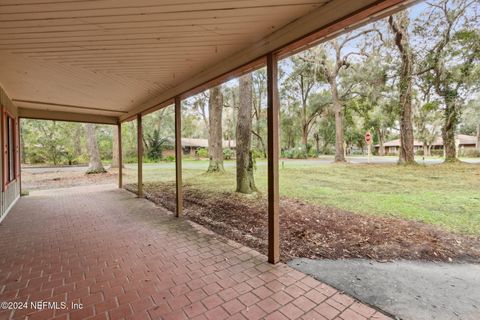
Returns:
(140,155)
(19,155)
(178,156)
(120,158)
(273,153)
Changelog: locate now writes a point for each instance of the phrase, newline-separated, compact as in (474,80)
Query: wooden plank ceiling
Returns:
(110,57)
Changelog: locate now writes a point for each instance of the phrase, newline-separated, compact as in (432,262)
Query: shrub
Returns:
(81,159)
(357,152)
(169,158)
(437,152)
(96,170)
(228,154)
(129,159)
(258,154)
(147,159)
(312,153)
(202,152)
(35,158)
(470,153)
(328,150)
(295,153)
(419,152)
(309,148)
(156,145)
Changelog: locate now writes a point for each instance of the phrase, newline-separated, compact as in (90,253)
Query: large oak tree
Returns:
(449,59)
(245,180)
(95,163)
(215,141)
(399,27)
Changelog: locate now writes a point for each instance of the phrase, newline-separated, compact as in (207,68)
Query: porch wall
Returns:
(10,194)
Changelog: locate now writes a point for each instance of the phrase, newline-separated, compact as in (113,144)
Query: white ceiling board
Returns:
(115,54)
(125,55)
(63,84)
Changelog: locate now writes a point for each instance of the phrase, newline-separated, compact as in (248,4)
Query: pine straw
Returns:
(313,231)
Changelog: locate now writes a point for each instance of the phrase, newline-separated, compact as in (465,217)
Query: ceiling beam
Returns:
(335,16)
(52,104)
(66,116)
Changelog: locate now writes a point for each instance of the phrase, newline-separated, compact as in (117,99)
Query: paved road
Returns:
(229,164)
(54,169)
(406,289)
(377,160)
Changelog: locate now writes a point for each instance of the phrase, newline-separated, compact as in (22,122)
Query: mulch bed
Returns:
(313,231)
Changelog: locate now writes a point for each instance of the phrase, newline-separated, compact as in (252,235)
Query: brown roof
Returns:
(203,143)
(463,140)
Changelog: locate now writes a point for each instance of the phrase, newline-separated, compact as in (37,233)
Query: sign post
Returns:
(368,140)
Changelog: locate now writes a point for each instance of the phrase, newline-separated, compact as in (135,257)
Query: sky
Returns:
(416,9)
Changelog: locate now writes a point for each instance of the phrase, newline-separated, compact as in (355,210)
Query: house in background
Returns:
(190,146)
(462,141)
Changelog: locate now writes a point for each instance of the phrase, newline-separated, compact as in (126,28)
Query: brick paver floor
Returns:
(124,258)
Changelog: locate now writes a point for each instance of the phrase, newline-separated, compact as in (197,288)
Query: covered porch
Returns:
(115,256)
(58,65)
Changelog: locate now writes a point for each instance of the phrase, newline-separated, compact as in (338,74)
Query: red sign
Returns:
(368,137)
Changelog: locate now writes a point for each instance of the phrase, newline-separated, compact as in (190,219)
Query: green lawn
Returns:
(447,195)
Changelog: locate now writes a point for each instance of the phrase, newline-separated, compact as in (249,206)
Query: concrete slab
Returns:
(408,290)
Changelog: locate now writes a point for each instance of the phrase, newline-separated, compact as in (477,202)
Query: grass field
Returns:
(446,195)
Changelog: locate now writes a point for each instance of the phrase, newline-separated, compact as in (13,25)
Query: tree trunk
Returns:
(260,144)
(77,148)
(407,155)
(399,27)
(115,155)
(305,135)
(448,132)
(215,147)
(22,147)
(245,180)
(258,109)
(339,136)
(95,165)
(478,137)
(304,113)
(381,138)
(260,141)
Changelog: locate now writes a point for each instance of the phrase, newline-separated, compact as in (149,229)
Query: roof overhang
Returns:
(78,63)
(40,114)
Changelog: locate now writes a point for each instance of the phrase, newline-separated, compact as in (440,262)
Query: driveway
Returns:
(409,290)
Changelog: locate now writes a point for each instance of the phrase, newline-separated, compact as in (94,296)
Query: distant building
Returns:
(462,141)
(191,145)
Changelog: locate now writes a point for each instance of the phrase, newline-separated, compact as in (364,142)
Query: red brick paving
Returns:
(125,258)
